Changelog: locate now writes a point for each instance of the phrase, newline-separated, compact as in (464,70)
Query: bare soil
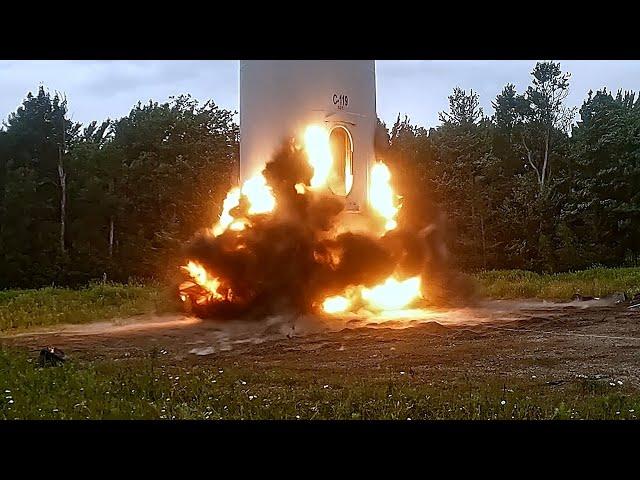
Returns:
(558,342)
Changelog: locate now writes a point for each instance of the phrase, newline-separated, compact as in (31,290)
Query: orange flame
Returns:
(392,294)
(316,144)
(336,304)
(389,296)
(202,278)
(261,200)
(381,196)
(259,194)
(230,202)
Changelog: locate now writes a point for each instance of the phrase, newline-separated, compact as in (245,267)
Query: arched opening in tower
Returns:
(340,179)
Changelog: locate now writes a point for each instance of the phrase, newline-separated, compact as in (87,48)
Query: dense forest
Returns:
(536,185)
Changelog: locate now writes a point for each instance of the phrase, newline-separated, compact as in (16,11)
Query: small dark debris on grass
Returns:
(582,298)
(554,382)
(51,357)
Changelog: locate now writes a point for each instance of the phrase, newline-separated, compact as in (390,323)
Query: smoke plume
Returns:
(298,254)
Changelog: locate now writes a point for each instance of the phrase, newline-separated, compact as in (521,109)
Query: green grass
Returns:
(51,305)
(155,387)
(147,388)
(596,282)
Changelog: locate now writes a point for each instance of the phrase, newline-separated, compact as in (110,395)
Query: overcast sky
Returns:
(100,89)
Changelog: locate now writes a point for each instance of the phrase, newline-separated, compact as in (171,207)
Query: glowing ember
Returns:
(316,144)
(336,304)
(381,195)
(393,294)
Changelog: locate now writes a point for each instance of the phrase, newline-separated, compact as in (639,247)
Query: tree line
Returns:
(116,199)
(536,185)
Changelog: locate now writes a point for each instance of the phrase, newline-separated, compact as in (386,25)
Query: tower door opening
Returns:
(340,179)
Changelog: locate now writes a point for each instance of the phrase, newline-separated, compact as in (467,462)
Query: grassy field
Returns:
(596,282)
(51,306)
(148,388)
(155,386)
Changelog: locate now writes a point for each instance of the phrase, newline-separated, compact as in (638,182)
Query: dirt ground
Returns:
(597,339)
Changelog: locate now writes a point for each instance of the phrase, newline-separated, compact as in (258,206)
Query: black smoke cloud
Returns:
(291,259)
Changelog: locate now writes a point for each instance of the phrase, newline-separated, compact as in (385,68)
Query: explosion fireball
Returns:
(282,243)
